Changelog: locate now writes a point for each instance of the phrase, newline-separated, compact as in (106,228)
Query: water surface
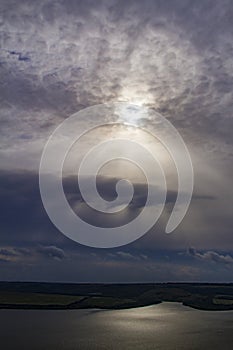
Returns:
(165,326)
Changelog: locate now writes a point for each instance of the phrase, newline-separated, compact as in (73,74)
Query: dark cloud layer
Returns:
(24,217)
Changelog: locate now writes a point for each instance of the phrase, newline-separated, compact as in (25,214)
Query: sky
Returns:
(174,57)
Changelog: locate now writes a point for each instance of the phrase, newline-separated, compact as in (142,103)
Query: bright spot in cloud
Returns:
(131,114)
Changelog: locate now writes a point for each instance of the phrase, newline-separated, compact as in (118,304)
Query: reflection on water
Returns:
(165,326)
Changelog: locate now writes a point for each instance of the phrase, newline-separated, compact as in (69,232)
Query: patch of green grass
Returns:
(221,301)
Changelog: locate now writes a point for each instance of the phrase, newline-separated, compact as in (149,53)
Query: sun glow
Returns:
(131,113)
(135,95)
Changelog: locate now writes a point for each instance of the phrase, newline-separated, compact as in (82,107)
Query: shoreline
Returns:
(70,307)
(65,296)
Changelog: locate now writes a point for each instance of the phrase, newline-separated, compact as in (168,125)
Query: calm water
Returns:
(165,326)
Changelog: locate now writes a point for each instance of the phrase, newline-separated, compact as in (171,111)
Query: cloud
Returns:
(7,252)
(58,57)
(211,256)
(126,255)
(129,256)
(14,254)
(52,252)
(24,220)
(174,56)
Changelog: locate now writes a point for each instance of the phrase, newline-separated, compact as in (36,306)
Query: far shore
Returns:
(65,296)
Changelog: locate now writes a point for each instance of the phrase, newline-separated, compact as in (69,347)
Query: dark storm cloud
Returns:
(25,221)
(24,218)
(106,186)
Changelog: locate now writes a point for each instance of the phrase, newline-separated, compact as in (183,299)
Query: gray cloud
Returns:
(25,220)
(58,57)
(14,254)
(52,252)
(7,252)
(126,255)
(175,57)
(211,256)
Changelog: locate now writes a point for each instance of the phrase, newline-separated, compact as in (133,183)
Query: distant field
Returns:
(32,295)
(223,301)
(38,299)
(108,302)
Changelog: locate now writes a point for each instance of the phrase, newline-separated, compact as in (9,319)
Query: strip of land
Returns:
(62,296)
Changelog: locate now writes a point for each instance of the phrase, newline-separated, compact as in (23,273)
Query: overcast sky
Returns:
(59,57)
